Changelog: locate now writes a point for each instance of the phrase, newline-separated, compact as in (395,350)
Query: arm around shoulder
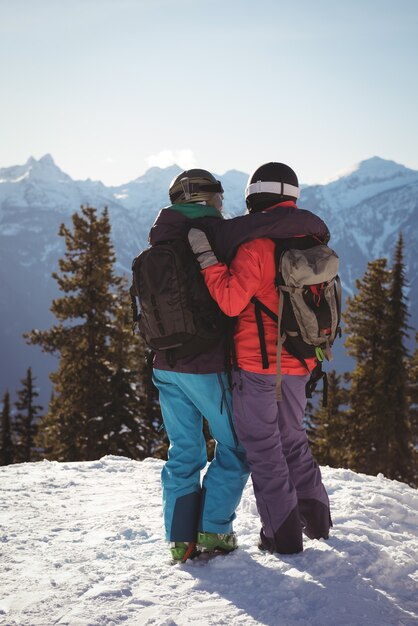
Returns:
(233,287)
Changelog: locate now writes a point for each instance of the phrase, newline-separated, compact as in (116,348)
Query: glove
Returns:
(201,248)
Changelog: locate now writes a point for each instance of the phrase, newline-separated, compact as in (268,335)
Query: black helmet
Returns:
(269,184)
(196,186)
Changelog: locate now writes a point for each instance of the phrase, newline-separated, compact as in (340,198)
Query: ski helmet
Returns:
(269,184)
(196,186)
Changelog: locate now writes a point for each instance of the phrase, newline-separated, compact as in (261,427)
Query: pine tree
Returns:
(328,429)
(74,427)
(413,410)
(365,324)
(157,445)
(26,419)
(132,432)
(397,452)
(376,322)
(6,443)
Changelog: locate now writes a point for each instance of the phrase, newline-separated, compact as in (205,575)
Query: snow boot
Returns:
(315,517)
(287,539)
(183,550)
(217,542)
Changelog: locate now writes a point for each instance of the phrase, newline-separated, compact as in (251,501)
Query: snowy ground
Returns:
(81,544)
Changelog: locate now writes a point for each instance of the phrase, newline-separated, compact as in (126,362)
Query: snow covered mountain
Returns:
(82,544)
(365,209)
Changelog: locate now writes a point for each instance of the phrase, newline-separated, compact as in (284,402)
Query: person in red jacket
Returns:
(288,487)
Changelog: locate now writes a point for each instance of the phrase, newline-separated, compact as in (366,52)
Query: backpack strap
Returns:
(260,307)
(316,375)
(338,296)
(258,304)
(280,342)
(170,356)
(231,361)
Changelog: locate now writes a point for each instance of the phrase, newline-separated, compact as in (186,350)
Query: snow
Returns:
(20,178)
(82,544)
(11,230)
(51,249)
(364,180)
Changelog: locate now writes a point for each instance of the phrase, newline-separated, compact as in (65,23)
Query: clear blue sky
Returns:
(110,87)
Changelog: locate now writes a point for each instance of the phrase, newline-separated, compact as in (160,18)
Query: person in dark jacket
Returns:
(189,389)
(287,481)
(200,515)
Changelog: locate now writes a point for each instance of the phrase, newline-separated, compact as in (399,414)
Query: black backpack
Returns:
(176,312)
(309,312)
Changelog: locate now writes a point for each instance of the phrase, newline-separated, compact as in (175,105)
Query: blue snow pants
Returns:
(188,505)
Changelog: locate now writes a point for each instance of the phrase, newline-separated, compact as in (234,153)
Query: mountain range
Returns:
(365,208)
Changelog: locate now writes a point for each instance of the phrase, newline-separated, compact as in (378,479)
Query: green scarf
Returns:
(192,211)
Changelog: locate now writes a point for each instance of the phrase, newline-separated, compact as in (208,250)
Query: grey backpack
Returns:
(309,311)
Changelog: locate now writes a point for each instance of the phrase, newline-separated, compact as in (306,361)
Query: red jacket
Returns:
(252,273)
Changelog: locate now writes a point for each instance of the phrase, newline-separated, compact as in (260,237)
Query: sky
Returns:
(112,87)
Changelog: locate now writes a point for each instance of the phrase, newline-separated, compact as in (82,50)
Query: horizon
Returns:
(219,85)
(346,171)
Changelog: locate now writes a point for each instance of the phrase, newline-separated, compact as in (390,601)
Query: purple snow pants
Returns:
(287,481)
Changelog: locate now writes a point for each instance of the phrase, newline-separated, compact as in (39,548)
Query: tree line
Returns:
(18,432)
(103,400)
(100,402)
(371,422)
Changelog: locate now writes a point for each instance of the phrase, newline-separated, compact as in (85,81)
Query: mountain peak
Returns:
(47,160)
(158,174)
(45,169)
(371,170)
(366,179)
(44,161)
(378,168)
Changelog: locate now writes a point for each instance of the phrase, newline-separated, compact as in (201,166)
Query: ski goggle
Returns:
(189,188)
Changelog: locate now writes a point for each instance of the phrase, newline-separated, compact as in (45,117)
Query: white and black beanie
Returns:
(270,184)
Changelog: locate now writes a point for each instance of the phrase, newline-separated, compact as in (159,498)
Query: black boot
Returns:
(287,539)
(315,517)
